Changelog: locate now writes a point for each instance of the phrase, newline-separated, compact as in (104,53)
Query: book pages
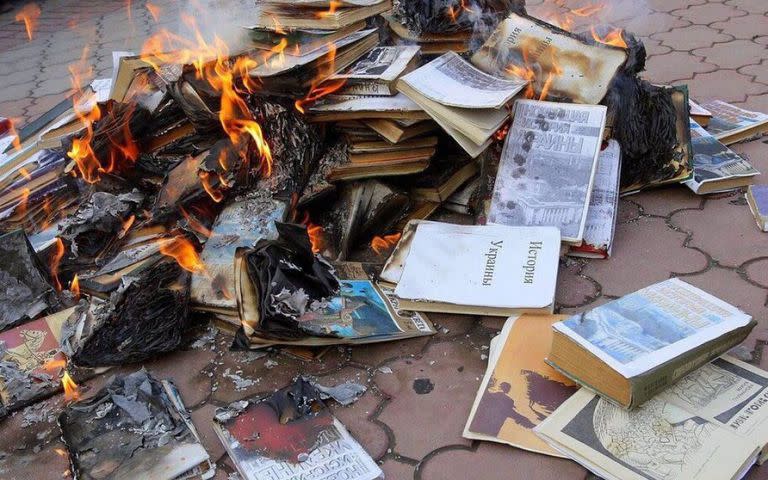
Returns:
(381,63)
(658,441)
(362,103)
(647,328)
(729,119)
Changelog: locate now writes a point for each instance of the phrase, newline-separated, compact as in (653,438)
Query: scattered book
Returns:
(381,164)
(757,199)
(430,43)
(442,179)
(699,114)
(298,42)
(731,124)
(494,269)
(519,389)
(376,72)
(716,168)
(545,177)
(395,130)
(630,349)
(357,147)
(469,104)
(334,108)
(603,206)
(290,435)
(328,15)
(658,441)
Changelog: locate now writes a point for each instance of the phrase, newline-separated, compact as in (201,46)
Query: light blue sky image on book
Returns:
(630,327)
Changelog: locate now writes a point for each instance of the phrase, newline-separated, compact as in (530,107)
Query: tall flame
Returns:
(382,244)
(184,252)
(332,6)
(74,287)
(29,14)
(71,389)
(320,88)
(58,254)
(315,234)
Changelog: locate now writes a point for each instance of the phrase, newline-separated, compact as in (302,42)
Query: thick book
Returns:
(430,43)
(519,389)
(630,349)
(298,42)
(603,206)
(381,164)
(442,179)
(658,441)
(325,18)
(716,168)
(548,166)
(699,114)
(334,108)
(376,72)
(468,103)
(731,124)
(394,131)
(485,269)
(757,199)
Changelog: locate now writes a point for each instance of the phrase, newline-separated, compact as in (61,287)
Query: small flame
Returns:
(213,192)
(278,28)
(184,252)
(24,173)
(614,37)
(29,14)
(71,390)
(75,287)
(382,244)
(127,224)
(54,364)
(333,5)
(16,142)
(319,88)
(315,234)
(153,10)
(60,452)
(58,254)
(588,10)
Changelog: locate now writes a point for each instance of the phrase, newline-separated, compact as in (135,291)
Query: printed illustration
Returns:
(702,387)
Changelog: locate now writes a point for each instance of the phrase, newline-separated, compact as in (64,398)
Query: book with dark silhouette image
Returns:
(519,389)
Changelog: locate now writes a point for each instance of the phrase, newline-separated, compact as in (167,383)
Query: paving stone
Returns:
(430,397)
(758,71)
(358,420)
(655,47)
(628,210)
(756,102)
(757,271)
(397,470)
(676,66)
(724,229)
(189,371)
(629,268)
(745,27)
(376,353)
(572,289)
(202,418)
(751,6)
(727,85)
(462,463)
(709,13)
(691,37)
(57,85)
(13,108)
(754,151)
(47,464)
(722,55)
(16,93)
(670,5)
(654,23)
(455,324)
(663,201)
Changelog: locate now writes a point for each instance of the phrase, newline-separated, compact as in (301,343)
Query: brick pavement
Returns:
(717,47)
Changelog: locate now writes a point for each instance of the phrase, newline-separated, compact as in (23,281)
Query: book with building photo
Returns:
(519,389)
(757,199)
(547,167)
(632,348)
(731,124)
(699,114)
(376,72)
(469,104)
(603,206)
(493,269)
(716,168)
(656,441)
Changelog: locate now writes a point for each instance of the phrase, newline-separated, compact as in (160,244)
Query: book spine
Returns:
(368,88)
(646,386)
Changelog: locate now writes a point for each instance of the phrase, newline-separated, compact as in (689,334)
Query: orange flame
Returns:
(153,10)
(333,5)
(71,390)
(54,364)
(183,251)
(213,192)
(60,452)
(315,234)
(16,142)
(319,89)
(127,224)
(588,11)
(382,244)
(58,254)
(29,14)
(278,28)
(614,37)
(75,287)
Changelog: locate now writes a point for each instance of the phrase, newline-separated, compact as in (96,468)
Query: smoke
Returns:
(224,19)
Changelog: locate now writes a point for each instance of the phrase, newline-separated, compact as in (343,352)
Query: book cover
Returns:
(757,199)
(491,265)
(548,166)
(645,329)
(382,63)
(519,389)
(714,162)
(603,206)
(728,120)
(658,441)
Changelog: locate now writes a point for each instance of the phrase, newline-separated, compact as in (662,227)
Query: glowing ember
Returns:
(29,14)
(614,37)
(382,244)
(71,390)
(184,252)
(58,254)
(75,287)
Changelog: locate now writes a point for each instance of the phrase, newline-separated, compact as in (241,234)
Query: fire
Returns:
(228,76)
(24,173)
(319,89)
(453,13)
(54,364)
(382,244)
(127,224)
(184,252)
(74,287)
(16,142)
(29,14)
(614,37)
(71,389)
(315,234)
(278,28)
(195,224)
(333,5)
(58,254)
(60,452)
(153,10)
(588,10)
(213,192)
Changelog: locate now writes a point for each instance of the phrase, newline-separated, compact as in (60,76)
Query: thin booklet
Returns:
(548,166)
(494,269)
(467,102)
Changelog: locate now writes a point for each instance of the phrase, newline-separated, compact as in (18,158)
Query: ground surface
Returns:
(717,47)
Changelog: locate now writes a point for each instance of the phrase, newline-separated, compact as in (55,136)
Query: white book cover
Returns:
(482,265)
(650,327)
(548,167)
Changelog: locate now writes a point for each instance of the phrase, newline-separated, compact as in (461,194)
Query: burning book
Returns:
(135,427)
(373,159)
(335,108)
(429,43)
(318,14)
(291,433)
(376,73)
(298,42)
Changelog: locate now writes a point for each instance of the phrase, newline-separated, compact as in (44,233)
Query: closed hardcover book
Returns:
(630,349)
(757,199)
(493,270)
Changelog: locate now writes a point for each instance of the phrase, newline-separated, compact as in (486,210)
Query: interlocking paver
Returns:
(722,55)
(708,13)
(746,27)
(728,85)
(691,37)
(676,66)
